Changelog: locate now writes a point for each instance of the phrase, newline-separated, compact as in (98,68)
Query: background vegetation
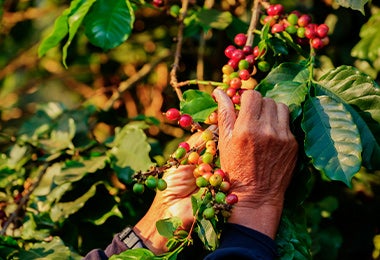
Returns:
(72,136)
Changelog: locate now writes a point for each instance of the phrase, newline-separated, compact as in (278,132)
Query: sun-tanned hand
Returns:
(258,151)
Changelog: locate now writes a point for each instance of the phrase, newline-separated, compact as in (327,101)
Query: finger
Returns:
(250,108)
(226,114)
(269,111)
(283,115)
(283,119)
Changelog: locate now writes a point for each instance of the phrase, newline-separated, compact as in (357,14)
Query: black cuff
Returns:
(130,239)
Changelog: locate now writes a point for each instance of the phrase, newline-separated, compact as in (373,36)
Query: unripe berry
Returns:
(193,158)
(161,184)
(210,144)
(215,180)
(213,118)
(201,182)
(263,66)
(151,182)
(220,197)
(292,19)
(179,153)
(207,135)
(207,157)
(225,186)
(138,188)
(227,69)
(172,114)
(185,120)
(209,213)
(243,64)
(240,39)
(291,29)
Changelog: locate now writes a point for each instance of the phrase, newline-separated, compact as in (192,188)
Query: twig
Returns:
(256,8)
(23,201)
(177,55)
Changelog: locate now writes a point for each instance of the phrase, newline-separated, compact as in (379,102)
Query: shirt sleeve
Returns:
(243,243)
(116,247)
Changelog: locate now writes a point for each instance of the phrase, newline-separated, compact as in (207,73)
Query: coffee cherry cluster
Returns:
(208,176)
(241,66)
(299,25)
(151,179)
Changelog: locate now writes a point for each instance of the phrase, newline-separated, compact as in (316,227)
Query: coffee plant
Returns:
(73,175)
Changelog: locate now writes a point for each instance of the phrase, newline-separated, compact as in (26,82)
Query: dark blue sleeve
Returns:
(239,242)
(116,247)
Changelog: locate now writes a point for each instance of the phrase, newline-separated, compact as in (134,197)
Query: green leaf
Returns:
(353,4)
(332,139)
(64,209)
(166,227)
(198,104)
(286,71)
(207,234)
(133,254)
(368,48)
(75,19)
(130,148)
(8,247)
(278,46)
(61,28)
(212,18)
(109,23)
(291,93)
(361,97)
(74,172)
(55,249)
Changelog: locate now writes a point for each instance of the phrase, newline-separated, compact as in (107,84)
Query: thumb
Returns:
(226,114)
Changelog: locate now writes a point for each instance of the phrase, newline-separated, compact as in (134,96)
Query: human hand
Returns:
(258,151)
(173,201)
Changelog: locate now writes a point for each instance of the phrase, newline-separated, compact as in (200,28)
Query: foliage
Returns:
(66,169)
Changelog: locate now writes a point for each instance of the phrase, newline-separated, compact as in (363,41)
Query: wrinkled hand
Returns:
(173,201)
(258,151)
(256,148)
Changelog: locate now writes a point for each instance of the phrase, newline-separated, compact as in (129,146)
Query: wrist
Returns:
(147,231)
(264,218)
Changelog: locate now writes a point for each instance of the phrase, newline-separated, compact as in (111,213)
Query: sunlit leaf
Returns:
(212,18)
(64,209)
(75,19)
(361,96)
(166,227)
(109,23)
(287,71)
(55,249)
(332,139)
(353,4)
(130,148)
(291,93)
(134,254)
(368,48)
(198,104)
